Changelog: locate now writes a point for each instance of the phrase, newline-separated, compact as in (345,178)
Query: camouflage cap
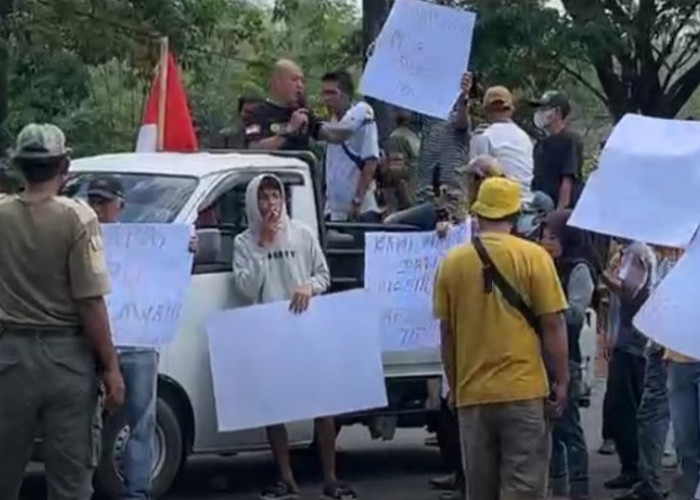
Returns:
(40,141)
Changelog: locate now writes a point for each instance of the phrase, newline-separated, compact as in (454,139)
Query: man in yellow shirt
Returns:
(494,358)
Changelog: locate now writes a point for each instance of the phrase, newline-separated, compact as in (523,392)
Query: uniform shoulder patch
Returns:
(79,207)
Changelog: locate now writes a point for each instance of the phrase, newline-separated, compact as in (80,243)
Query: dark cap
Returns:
(107,187)
(554,99)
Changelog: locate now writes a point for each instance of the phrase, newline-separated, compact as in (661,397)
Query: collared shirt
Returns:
(345,162)
(51,257)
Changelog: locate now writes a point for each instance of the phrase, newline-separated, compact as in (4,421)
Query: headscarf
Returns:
(255,219)
(575,244)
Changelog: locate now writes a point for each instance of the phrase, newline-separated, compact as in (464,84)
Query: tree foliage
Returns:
(87,64)
(645,52)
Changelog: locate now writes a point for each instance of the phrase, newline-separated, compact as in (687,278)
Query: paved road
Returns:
(396,470)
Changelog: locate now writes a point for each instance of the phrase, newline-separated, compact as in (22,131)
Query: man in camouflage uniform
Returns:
(55,340)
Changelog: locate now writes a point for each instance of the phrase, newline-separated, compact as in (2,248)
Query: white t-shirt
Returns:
(344,163)
(513,149)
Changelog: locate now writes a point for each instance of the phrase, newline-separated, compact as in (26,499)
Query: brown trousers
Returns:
(506,448)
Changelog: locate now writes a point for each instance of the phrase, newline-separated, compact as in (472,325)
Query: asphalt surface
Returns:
(395,470)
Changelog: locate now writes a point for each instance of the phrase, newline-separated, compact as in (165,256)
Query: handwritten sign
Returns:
(400,271)
(270,366)
(420,56)
(671,315)
(649,172)
(149,267)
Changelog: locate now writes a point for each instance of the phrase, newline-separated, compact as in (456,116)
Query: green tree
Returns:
(645,52)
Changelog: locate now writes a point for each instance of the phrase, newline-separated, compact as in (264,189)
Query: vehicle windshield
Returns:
(148,198)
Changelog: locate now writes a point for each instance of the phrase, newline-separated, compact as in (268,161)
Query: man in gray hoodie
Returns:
(278,259)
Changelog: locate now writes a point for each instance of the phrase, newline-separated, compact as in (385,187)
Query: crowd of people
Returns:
(511,302)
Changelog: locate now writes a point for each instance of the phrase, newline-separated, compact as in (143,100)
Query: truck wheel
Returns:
(168,455)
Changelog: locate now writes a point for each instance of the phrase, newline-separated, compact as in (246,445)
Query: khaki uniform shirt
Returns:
(51,256)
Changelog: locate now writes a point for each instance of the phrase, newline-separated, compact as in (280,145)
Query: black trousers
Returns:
(450,445)
(626,385)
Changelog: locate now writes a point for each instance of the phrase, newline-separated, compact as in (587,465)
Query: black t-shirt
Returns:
(558,156)
(270,118)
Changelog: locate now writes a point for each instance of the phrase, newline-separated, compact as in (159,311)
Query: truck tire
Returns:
(168,455)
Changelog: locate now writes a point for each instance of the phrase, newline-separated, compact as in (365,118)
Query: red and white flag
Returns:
(167,124)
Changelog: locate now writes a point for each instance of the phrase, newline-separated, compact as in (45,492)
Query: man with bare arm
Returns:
(277,259)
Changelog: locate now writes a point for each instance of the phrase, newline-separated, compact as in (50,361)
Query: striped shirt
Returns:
(444,151)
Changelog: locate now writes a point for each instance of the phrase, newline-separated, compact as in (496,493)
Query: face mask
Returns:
(543,118)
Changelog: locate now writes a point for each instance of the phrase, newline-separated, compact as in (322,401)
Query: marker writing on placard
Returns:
(392,244)
(417,285)
(412,335)
(134,236)
(148,313)
(121,274)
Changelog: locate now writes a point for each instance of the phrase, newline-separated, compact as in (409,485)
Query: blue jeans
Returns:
(421,216)
(684,399)
(140,370)
(568,470)
(652,423)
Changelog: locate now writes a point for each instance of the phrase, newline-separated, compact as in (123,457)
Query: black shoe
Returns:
(445,483)
(639,495)
(621,482)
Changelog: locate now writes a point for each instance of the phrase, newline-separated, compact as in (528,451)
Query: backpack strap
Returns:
(492,276)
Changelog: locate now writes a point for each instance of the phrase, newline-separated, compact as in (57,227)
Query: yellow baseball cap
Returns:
(498,198)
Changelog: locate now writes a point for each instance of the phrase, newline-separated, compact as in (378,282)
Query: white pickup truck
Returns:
(208,191)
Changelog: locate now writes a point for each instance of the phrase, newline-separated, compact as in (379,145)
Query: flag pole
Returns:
(162,97)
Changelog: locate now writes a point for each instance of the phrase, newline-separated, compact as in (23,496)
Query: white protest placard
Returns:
(671,315)
(270,366)
(400,271)
(646,187)
(420,56)
(149,268)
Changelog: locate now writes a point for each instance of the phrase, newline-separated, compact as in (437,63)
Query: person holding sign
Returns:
(493,343)
(443,150)
(139,365)
(278,259)
(55,339)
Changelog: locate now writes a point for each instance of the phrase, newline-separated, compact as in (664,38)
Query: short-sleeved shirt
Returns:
(51,256)
(498,354)
(344,163)
(512,147)
(269,119)
(556,157)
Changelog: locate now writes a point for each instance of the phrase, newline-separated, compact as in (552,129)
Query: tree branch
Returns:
(583,81)
(682,90)
(684,57)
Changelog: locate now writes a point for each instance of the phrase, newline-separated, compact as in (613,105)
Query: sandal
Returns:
(338,491)
(280,491)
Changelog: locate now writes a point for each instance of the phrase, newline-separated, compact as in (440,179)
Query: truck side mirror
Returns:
(208,247)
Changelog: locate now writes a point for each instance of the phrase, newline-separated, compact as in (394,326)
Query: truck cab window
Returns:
(228,215)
